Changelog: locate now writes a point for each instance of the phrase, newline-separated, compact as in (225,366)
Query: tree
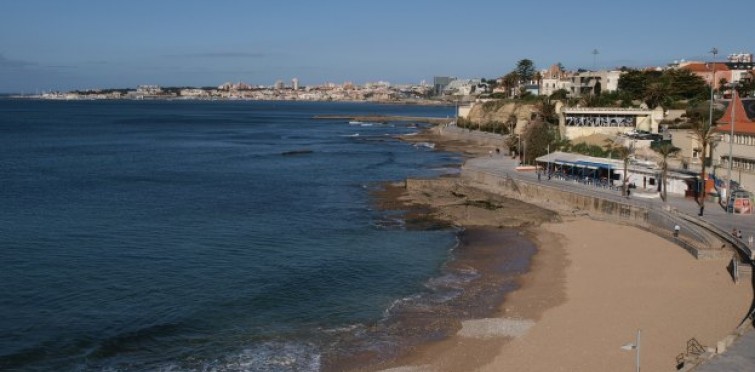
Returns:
(666,150)
(510,81)
(624,153)
(538,77)
(633,82)
(560,94)
(705,134)
(746,86)
(683,84)
(723,85)
(537,137)
(657,94)
(525,68)
(545,110)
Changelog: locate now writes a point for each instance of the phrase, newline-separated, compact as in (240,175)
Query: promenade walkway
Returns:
(713,214)
(740,356)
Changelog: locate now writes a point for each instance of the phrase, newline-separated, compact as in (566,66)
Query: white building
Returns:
(575,122)
(592,82)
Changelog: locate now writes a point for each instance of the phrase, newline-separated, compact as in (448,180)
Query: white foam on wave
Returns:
(488,328)
(428,145)
(352,328)
(271,356)
(397,304)
(454,280)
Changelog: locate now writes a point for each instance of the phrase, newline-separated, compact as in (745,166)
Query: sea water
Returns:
(172,235)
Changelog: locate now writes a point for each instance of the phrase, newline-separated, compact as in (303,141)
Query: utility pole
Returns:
(594,69)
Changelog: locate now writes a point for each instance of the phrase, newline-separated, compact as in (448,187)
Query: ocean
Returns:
(226,236)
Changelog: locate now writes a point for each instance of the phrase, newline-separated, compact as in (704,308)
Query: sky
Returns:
(79,44)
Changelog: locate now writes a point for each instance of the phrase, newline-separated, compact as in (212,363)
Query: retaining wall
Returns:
(692,238)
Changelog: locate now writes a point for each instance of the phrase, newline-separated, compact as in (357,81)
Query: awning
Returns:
(584,164)
(594,165)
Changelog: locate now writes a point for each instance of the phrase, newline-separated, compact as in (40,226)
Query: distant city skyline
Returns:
(77,44)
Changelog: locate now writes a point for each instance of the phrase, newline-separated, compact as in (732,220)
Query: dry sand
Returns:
(592,285)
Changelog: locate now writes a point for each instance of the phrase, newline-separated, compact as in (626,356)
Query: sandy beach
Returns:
(590,287)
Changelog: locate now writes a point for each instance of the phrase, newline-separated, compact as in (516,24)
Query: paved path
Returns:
(738,358)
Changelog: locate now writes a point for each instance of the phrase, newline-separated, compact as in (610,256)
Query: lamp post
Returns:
(713,51)
(635,346)
(731,146)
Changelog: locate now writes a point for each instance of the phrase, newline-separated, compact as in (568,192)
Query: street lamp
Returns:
(634,346)
(713,51)
(731,146)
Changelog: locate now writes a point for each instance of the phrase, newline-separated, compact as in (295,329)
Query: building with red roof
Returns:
(706,71)
(741,114)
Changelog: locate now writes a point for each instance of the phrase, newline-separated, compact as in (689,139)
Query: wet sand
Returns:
(485,266)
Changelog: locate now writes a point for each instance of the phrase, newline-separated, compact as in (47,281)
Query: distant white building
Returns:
(551,80)
(194,93)
(148,90)
(592,82)
(295,84)
(465,87)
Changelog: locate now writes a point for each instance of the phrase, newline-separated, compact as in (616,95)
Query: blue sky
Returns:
(76,44)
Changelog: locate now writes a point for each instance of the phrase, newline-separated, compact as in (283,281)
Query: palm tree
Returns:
(545,110)
(705,134)
(666,150)
(510,81)
(624,153)
(657,94)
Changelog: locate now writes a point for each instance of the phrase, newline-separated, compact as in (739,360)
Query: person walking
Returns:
(676,230)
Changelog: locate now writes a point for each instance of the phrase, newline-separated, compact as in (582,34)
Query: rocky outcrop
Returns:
(501,112)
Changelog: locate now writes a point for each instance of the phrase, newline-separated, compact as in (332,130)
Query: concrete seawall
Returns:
(700,243)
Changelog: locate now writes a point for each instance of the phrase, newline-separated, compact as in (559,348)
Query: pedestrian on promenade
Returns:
(538,175)
(734,232)
(749,240)
(739,234)
(676,230)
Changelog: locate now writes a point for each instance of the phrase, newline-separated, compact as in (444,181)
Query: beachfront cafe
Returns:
(581,168)
(602,172)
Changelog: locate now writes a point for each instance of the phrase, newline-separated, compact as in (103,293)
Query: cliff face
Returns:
(501,111)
